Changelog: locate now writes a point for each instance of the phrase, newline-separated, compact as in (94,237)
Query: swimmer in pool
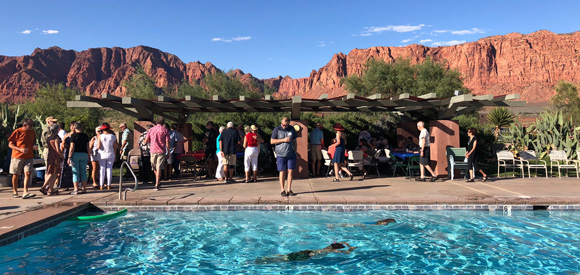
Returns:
(379,222)
(306,254)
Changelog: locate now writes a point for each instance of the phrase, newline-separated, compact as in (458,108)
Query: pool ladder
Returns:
(123,195)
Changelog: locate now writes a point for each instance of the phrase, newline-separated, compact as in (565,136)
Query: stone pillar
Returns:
(444,134)
(301,170)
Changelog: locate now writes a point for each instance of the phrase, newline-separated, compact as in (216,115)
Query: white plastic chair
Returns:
(530,155)
(327,162)
(506,160)
(355,160)
(559,158)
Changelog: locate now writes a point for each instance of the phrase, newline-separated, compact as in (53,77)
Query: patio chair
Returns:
(355,160)
(413,165)
(327,162)
(456,161)
(187,165)
(398,164)
(375,163)
(530,160)
(506,160)
(560,159)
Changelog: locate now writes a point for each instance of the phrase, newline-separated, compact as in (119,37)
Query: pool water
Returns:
(438,242)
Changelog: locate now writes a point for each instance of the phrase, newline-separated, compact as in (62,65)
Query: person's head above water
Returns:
(337,245)
(385,221)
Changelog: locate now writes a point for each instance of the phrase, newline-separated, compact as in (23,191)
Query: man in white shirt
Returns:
(425,157)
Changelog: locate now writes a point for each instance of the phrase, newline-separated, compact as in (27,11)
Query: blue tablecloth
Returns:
(405,155)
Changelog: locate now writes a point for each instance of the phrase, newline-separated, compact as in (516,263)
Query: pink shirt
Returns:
(159,137)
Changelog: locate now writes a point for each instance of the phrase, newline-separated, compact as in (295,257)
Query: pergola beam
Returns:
(403,103)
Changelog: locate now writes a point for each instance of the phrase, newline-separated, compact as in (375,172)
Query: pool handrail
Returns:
(121,197)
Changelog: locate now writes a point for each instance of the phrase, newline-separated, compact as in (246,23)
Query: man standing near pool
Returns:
(158,138)
(284,138)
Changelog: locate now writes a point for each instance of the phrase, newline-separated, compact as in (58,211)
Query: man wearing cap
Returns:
(316,144)
(44,136)
(22,143)
(229,140)
(158,138)
(284,139)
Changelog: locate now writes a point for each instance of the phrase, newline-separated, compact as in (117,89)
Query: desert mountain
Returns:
(514,63)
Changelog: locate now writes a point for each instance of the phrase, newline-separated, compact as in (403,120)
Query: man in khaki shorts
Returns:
(229,140)
(49,122)
(158,138)
(21,141)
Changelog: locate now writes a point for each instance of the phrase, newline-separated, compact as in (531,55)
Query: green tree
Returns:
(230,87)
(186,89)
(402,77)
(50,100)
(141,85)
(566,99)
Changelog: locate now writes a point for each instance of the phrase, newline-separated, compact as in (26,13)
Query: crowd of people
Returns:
(67,154)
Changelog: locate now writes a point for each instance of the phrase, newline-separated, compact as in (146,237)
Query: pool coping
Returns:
(29,223)
(17,227)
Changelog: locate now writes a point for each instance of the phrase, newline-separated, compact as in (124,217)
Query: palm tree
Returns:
(500,117)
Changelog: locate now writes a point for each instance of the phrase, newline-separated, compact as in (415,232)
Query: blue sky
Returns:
(269,38)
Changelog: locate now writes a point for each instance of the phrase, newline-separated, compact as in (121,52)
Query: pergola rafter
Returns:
(179,109)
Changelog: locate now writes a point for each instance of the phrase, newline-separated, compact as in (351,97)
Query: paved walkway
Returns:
(319,191)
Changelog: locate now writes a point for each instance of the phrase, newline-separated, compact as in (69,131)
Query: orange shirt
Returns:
(23,138)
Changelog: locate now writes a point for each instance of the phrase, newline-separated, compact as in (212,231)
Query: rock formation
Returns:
(514,63)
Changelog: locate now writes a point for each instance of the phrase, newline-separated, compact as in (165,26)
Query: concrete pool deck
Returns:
(320,191)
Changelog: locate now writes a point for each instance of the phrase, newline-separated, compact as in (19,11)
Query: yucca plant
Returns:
(500,117)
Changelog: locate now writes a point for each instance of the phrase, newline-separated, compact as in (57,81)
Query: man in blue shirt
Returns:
(284,138)
(316,144)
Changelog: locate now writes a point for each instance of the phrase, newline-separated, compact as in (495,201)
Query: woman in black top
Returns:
(78,158)
(471,155)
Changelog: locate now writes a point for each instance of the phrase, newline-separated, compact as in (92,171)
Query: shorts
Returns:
(286,163)
(157,161)
(230,159)
(426,158)
(315,152)
(17,165)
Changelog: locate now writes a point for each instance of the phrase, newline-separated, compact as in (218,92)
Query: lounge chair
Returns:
(530,160)
(559,158)
(506,160)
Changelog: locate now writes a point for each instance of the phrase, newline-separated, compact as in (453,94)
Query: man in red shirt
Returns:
(22,144)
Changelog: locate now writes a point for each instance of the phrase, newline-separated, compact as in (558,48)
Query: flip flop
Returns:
(28,196)
(43,191)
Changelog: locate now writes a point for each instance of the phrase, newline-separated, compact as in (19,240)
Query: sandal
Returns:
(15,196)
(484,179)
(28,196)
(54,192)
(470,180)
(283,194)
(335,180)
(364,175)
(351,176)
(246,181)
(43,191)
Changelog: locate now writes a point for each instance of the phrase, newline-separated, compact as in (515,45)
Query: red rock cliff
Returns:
(514,63)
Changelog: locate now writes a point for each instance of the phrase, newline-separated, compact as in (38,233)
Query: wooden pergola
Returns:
(444,132)
(179,109)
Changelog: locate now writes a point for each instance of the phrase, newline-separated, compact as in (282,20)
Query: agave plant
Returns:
(500,117)
(553,132)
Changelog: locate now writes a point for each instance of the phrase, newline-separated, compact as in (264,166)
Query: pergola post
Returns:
(295,112)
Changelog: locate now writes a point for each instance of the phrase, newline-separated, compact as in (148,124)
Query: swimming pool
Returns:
(444,242)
